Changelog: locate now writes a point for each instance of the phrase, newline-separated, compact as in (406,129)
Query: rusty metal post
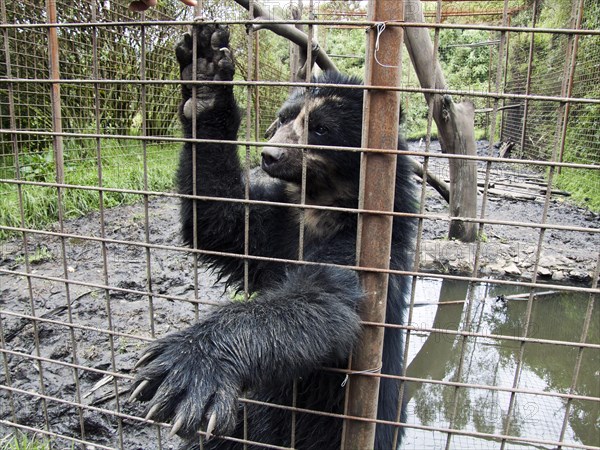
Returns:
(55,92)
(528,81)
(378,174)
(569,77)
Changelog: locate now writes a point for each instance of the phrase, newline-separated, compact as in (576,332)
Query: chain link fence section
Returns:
(84,286)
(532,126)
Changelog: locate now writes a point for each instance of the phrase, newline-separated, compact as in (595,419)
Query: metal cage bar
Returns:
(53,344)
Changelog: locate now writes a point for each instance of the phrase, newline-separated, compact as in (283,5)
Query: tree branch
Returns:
(289,32)
(435,182)
(455,124)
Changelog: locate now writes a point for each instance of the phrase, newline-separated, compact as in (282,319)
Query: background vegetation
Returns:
(23,442)
(582,143)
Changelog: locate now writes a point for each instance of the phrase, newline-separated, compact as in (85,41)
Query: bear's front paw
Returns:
(214,59)
(188,383)
(213,62)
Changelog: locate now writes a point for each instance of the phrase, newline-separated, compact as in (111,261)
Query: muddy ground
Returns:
(507,250)
(568,256)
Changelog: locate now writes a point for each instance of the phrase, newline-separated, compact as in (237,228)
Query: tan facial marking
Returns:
(309,106)
(321,223)
(298,124)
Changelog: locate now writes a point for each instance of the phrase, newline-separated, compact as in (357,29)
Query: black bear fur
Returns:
(303,317)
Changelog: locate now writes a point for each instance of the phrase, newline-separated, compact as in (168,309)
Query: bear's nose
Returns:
(271,155)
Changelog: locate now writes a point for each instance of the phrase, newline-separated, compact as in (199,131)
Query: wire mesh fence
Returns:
(501,343)
(549,77)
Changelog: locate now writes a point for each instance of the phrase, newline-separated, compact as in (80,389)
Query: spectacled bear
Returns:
(302,318)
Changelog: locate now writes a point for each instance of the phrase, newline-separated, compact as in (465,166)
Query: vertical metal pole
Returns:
(20,195)
(378,175)
(297,59)
(198,14)
(560,135)
(251,92)
(505,68)
(256,77)
(55,92)
(567,88)
(102,222)
(487,100)
(528,81)
(502,66)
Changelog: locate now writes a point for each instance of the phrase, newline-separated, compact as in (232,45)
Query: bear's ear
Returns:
(272,129)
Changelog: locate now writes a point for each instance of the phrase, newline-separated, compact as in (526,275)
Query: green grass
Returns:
(584,186)
(480,134)
(21,441)
(40,255)
(421,133)
(122,167)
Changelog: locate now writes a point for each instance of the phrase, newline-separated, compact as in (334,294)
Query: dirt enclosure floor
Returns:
(567,257)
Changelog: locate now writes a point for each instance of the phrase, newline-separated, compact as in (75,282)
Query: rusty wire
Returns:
(31,314)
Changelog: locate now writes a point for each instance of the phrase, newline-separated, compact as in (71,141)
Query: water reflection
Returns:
(494,362)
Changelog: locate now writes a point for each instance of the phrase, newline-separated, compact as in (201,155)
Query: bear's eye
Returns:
(320,130)
(283,119)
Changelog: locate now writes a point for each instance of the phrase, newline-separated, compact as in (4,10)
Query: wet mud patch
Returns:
(115,310)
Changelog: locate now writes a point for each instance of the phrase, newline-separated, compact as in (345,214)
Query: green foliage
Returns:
(122,168)
(465,67)
(584,186)
(262,102)
(36,166)
(347,48)
(121,108)
(582,144)
(110,53)
(465,57)
(21,441)
(415,134)
(241,296)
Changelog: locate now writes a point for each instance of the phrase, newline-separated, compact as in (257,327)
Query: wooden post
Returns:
(455,124)
(55,92)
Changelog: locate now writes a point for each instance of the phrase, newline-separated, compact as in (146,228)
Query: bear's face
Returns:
(333,118)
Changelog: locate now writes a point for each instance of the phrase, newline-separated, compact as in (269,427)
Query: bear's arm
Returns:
(210,168)
(308,320)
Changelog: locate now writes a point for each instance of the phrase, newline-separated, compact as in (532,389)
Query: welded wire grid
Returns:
(104,132)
